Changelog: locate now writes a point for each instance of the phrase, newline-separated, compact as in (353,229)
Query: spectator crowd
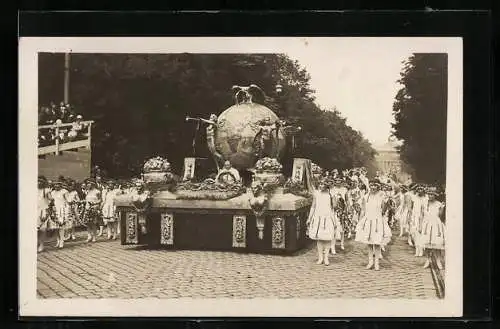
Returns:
(57,115)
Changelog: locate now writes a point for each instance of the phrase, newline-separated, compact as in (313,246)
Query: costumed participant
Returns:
(228,174)
(372,229)
(61,209)
(389,205)
(102,187)
(44,204)
(322,222)
(432,237)
(354,202)
(73,199)
(339,193)
(93,215)
(417,215)
(109,214)
(404,210)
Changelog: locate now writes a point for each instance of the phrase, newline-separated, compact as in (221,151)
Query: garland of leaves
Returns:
(209,189)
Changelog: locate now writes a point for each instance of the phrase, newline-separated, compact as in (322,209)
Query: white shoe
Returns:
(93,239)
(40,248)
(319,261)
(61,245)
(427,264)
(73,237)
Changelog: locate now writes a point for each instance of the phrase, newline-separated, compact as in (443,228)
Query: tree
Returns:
(140,101)
(420,111)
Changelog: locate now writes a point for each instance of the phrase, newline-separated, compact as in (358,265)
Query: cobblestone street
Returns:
(107,269)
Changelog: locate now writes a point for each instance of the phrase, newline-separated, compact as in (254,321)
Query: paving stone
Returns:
(107,269)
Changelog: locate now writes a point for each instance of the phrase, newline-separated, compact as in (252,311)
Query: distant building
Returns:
(388,160)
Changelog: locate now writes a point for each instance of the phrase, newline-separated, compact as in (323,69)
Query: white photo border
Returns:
(29,305)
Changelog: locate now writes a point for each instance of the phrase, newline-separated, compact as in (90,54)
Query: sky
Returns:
(359,78)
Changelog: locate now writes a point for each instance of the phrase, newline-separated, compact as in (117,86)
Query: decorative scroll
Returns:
(167,229)
(132,228)
(239,231)
(278,233)
(299,227)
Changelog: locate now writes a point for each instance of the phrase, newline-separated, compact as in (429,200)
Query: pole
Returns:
(66,78)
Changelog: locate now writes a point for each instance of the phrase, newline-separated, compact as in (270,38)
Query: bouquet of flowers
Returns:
(296,188)
(268,165)
(156,164)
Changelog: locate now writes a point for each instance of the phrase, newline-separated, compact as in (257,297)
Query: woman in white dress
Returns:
(372,229)
(93,213)
(73,218)
(432,236)
(322,222)
(61,209)
(109,210)
(419,202)
(44,204)
(404,210)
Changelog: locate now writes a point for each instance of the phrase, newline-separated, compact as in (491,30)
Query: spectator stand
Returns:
(58,137)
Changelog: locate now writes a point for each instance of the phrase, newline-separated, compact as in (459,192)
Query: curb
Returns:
(438,278)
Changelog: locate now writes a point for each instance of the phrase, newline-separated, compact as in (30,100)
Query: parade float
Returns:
(249,204)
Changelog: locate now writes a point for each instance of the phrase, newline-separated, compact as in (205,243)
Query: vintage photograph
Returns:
(284,169)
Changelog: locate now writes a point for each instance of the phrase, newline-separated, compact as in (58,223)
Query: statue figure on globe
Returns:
(246,131)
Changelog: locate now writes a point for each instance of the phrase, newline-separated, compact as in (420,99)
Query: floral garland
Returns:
(209,189)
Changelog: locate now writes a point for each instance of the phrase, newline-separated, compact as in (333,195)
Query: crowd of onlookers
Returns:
(53,114)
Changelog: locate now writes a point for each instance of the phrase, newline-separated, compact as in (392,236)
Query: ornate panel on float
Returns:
(239,231)
(132,234)
(167,229)
(278,233)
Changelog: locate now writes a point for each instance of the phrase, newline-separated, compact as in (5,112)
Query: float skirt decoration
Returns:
(278,233)
(167,229)
(239,231)
(132,228)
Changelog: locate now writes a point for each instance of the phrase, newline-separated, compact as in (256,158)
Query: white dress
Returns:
(73,216)
(417,215)
(43,208)
(109,207)
(433,230)
(372,227)
(61,206)
(322,219)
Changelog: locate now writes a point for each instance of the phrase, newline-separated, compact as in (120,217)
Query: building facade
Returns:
(388,160)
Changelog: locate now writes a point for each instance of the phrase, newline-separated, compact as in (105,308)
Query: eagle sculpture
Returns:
(247,94)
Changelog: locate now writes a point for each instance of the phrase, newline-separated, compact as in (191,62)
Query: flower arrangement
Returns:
(268,165)
(156,164)
(296,188)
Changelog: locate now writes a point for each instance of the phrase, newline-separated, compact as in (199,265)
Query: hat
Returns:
(375,184)
(79,116)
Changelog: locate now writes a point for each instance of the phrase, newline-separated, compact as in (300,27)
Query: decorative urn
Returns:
(157,170)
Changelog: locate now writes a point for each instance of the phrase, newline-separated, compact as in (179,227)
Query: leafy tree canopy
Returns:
(140,101)
(420,110)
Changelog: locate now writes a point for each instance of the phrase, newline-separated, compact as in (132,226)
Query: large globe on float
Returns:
(236,133)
